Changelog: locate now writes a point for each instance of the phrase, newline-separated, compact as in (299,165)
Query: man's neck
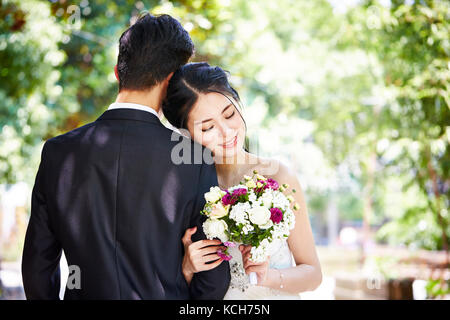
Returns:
(151,98)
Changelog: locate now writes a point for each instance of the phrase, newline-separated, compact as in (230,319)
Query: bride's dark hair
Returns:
(187,83)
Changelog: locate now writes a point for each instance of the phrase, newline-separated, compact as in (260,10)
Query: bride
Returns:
(201,101)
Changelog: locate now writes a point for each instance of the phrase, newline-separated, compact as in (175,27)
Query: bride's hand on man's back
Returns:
(200,255)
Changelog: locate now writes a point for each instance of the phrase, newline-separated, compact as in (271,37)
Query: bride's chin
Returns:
(224,156)
(229,157)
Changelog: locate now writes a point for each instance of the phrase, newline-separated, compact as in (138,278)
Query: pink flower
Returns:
(272,184)
(239,192)
(229,244)
(233,198)
(224,255)
(218,210)
(276,215)
(228,199)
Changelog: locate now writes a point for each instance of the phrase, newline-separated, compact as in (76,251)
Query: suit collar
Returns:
(129,114)
(129,105)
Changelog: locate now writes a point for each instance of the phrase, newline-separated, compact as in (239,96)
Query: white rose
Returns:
(214,194)
(266,225)
(214,228)
(259,215)
(218,210)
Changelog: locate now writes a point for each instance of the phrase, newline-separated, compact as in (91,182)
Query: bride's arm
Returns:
(307,274)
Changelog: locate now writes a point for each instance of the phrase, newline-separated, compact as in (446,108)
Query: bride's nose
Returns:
(225,131)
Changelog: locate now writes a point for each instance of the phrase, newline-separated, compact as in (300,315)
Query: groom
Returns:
(110,196)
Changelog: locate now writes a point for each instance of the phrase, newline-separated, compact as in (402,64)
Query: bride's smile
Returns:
(230,144)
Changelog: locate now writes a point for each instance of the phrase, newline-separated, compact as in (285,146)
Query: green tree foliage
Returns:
(411,41)
(29,57)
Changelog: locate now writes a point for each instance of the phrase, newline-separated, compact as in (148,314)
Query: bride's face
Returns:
(216,123)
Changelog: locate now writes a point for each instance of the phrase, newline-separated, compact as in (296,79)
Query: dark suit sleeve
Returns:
(42,252)
(211,284)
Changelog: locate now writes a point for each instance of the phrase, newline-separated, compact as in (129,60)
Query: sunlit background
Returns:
(354,95)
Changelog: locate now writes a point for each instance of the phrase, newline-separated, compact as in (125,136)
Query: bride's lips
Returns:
(230,144)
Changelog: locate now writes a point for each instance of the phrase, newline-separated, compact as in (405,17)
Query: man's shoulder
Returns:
(70,135)
(181,148)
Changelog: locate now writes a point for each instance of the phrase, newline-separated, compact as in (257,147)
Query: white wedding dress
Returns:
(240,287)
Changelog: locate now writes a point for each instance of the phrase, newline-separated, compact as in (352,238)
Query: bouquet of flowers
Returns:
(255,212)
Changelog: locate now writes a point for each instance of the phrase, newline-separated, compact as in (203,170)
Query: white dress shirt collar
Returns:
(128,105)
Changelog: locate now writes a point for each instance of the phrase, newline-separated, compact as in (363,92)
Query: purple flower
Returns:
(228,199)
(276,215)
(233,198)
(229,244)
(224,255)
(272,184)
(239,192)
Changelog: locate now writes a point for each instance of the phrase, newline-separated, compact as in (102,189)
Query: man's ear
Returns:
(116,72)
(169,77)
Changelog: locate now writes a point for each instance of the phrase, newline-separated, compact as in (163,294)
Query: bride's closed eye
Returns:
(229,117)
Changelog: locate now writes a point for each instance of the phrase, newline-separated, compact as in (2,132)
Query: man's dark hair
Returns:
(150,50)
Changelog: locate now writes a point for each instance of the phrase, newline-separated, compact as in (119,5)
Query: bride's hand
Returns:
(261,269)
(198,254)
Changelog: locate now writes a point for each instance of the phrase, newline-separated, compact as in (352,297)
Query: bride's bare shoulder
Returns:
(274,168)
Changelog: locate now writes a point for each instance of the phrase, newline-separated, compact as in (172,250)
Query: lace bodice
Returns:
(241,289)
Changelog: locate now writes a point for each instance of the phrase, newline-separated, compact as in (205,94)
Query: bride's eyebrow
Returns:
(224,109)
(206,120)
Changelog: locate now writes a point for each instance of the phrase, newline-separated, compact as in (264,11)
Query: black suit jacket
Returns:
(110,196)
